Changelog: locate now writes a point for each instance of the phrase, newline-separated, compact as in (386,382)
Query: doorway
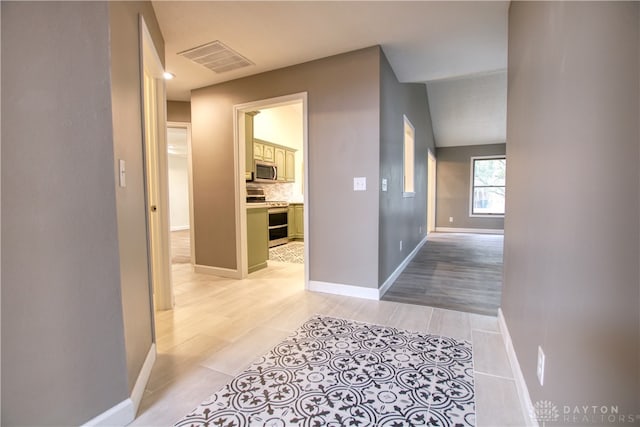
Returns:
(180,193)
(272,132)
(431,192)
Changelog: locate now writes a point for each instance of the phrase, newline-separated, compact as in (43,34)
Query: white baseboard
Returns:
(125,412)
(218,271)
(180,228)
(143,377)
(120,415)
(345,290)
(392,278)
(521,385)
(468,230)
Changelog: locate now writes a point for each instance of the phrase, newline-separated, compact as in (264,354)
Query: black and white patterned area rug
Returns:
(292,252)
(336,372)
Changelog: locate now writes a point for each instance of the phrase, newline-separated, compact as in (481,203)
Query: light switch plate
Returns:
(384,184)
(360,183)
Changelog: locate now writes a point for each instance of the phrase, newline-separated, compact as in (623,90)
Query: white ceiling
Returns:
(423,40)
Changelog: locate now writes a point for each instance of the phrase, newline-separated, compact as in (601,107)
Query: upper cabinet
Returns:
(283,157)
(248,137)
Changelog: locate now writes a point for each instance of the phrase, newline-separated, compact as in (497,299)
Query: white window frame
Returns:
(408,190)
(471,186)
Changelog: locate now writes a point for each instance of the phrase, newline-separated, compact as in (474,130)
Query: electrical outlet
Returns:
(450,219)
(400,245)
(540,368)
(420,230)
(384,184)
(360,183)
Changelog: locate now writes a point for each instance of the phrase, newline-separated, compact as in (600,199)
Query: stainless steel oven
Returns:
(278,225)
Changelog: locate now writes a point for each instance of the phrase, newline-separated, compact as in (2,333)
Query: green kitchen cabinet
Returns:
(291,225)
(283,157)
(280,157)
(258,150)
(257,238)
(296,221)
(290,166)
(248,137)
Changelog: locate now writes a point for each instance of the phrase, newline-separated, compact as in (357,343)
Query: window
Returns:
(488,186)
(408,189)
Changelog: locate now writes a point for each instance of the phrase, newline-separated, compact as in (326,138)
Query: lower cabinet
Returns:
(257,238)
(296,221)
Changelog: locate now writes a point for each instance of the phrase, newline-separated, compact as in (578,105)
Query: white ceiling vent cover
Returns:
(217,57)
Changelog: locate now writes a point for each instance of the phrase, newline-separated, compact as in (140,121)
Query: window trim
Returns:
(471,186)
(406,122)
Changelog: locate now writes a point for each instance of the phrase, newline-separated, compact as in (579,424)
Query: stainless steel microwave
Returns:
(265,172)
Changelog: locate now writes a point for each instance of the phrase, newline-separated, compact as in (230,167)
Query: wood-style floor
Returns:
(180,247)
(220,326)
(456,271)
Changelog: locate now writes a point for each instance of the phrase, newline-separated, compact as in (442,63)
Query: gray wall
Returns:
(401,218)
(453,186)
(344,134)
(178,111)
(127,145)
(571,272)
(63,350)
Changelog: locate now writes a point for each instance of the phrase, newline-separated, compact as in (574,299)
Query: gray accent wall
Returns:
(179,111)
(401,218)
(63,348)
(130,201)
(76,314)
(453,186)
(343,133)
(572,231)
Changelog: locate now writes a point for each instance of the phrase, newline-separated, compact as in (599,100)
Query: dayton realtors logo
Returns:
(546,411)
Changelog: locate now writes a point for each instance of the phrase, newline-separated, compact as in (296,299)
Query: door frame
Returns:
(159,261)
(240,189)
(431,191)
(187,127)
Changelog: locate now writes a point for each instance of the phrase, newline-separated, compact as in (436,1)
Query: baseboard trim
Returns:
(392,278)
(138,389)
(257,267)
(468,230)
(180,228)
(217,271)
(345,290)
(120,415)
(521,385)
(125,412)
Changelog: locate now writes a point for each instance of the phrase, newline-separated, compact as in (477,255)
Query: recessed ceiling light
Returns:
(168,76)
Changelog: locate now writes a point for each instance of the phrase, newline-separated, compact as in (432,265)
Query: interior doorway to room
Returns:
(272,186)
(180,192)
(431,192)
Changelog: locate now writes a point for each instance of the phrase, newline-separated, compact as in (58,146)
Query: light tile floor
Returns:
(219,326)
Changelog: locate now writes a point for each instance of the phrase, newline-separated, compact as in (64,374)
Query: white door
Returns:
(156,174)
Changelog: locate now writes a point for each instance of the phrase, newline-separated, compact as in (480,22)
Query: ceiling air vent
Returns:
(217,57)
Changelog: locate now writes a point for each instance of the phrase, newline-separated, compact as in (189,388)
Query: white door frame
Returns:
(187,126)
(431,191)
(239,170)
(158,229)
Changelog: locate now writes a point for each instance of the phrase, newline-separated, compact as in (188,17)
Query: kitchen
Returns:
(274,186)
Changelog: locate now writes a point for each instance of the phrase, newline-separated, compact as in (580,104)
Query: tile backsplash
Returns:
(281,192)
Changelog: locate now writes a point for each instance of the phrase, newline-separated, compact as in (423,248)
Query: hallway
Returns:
(454,271)
(219,326)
